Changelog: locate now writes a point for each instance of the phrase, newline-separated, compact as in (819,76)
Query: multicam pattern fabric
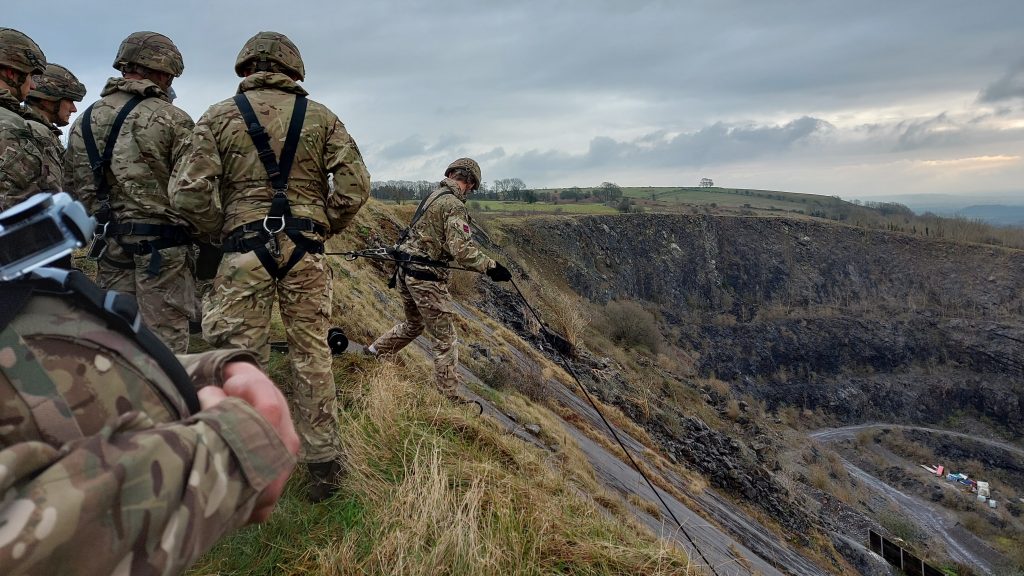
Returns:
(48,138)
(22,171)
(154,137)
(236,314)
(140,491)
(167,301)
(443,234)
(427,305)
(222,185)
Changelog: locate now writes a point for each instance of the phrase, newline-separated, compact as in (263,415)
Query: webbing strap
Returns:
(277,172)
(50,412)
(421,210)
(100,164)
(122,313)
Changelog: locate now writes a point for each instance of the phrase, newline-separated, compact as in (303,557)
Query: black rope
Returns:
(562,352)
(565,364)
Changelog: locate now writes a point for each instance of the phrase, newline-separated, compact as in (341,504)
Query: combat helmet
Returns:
(57,83)
(468,164)
(19,52)
(271,47)
(151,50)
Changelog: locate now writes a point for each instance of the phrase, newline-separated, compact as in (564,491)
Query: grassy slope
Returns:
(431,489)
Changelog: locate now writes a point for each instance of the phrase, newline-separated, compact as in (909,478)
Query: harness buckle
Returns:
(98,246)
(268,218)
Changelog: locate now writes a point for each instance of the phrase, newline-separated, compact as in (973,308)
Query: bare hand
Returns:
(247,382)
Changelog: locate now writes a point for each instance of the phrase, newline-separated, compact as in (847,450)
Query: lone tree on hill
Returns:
(707,183)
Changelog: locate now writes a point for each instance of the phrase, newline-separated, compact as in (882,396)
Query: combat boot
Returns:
(324,479)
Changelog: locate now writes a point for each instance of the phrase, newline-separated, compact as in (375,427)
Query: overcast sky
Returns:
(865,99)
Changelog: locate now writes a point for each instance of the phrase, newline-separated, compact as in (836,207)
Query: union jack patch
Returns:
(465,228)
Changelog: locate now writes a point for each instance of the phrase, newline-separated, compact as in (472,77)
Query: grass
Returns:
(566,207)
(434,490)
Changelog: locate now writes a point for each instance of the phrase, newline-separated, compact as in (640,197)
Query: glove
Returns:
(499,273)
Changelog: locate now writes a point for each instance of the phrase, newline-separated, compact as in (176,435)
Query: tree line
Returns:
(506,189)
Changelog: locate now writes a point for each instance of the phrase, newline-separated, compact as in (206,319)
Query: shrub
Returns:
(630,325)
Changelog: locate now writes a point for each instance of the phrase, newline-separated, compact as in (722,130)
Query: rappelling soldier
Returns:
(438,234)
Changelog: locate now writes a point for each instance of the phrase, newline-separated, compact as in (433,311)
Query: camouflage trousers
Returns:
(166,300)
(236,314)
(427,305)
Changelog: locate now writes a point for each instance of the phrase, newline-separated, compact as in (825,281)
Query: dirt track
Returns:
(961,545)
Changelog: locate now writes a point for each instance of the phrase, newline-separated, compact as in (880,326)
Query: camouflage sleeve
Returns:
(345,164)
(207,368)
(182,127)
(78,178)
(194,188)
(459,238)
(52,177)
(135,498)
(21,164)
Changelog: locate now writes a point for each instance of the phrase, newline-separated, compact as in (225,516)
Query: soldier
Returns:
(22,169)
(49,107)
(257,182)
(111,461)
(439,233)
(121,151)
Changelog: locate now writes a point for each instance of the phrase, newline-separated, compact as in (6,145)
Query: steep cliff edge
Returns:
(859,324)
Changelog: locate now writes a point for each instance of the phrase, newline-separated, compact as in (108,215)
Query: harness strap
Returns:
(421,211)
(424,275)
(168,236)
(122,314)
(280,212)
(50,411)
(100,164)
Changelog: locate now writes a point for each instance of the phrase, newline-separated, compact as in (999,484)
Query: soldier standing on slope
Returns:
(439,233)
(22,166)
(256,181)
(133,136)
(49,107)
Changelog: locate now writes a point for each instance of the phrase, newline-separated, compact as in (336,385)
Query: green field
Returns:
(566,207)
(728,197)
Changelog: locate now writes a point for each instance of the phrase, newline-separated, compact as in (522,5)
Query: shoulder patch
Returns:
(465,228)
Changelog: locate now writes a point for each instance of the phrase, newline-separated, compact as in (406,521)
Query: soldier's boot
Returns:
(324,479)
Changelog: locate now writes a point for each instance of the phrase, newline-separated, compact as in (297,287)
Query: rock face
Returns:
(860,324)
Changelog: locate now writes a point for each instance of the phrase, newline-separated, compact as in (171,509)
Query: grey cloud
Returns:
(1008,87)
(411,146)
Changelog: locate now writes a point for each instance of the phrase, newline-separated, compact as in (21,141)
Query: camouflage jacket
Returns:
(48,135)
(22,169)
(443,233)
(154,137)
(222,184)
(130,488)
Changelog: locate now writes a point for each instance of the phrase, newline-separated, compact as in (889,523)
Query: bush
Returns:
(630,325)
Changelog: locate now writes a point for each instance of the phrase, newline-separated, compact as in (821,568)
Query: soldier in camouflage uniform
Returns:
(439,233)
(111,462)
(272,229)
(147,251)
(49,107)
(22,168)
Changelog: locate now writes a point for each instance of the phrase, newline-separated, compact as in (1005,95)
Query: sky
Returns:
(872,100)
